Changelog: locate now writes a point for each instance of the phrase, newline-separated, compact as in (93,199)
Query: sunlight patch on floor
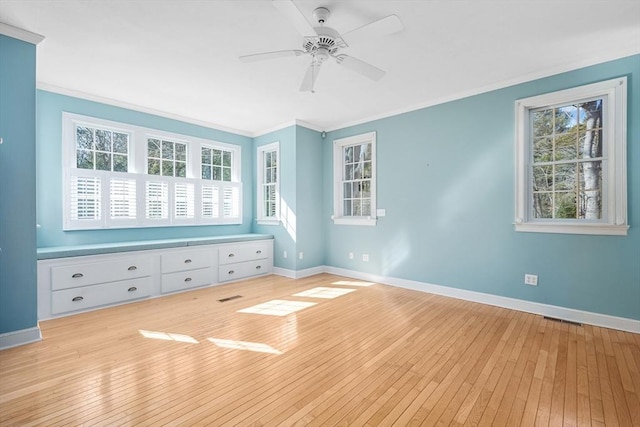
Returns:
(244,345)
(167,336)
(323,292)
(278,307)
(353,283)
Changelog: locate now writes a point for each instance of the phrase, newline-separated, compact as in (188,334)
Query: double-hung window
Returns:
(118,175)
(268,188)
(571,161)
(354,176)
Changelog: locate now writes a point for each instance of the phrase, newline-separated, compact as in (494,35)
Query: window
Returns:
(118,176)
(354,172)
(571,160)
(268,188)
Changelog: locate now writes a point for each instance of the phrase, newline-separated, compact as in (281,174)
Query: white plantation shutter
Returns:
(85,198)
(210,202)
(184,201)
(230,202)
(122,198)
(156,200)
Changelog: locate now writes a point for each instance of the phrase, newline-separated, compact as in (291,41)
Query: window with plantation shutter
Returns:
(122,198)
(119,175)
(268,186)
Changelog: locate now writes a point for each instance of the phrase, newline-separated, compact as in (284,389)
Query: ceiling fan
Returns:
(322,42)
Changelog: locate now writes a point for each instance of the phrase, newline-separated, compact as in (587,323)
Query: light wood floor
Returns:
(377,356)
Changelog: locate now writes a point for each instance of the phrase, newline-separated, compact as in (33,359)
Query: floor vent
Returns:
(563,321)
(230,298)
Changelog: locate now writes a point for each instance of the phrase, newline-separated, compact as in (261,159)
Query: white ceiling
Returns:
(180,57)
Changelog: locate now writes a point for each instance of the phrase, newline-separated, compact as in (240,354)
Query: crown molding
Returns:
(20,34)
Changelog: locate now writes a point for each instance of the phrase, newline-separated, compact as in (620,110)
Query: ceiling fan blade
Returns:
(361,67)
(270,55)
(310,77)
(293,14)
(382,27)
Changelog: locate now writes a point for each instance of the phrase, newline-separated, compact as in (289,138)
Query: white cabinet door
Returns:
(110,270)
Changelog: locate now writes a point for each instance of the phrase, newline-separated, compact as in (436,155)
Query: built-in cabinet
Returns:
(74,284)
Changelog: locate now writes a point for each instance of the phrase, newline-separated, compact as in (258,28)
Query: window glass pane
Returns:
(181,169)
(367,151)
(167,167)
(566,118)
(348,172)
(267,159)
(356,190)
(542,178)
(542,205)
(366,208)
(566,146)
(84,159)
(206,156)
(366,189)
(591,190)
(153,167)
(348,154)
(542,123)
(206,172)
(167,151)
(226,174)
(217,174)
(565,176)
(217,158)
(181,151)
(367,170)
(84,138)
(347,190)
(103,140)
(103,161)
(226,160)
(565,205)
(119,163)
(356,206)
(120,142)
(347,208)
(356,153)
(542,149)
(357,171)
(153,148)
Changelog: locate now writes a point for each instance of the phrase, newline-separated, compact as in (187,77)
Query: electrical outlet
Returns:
(301,255)
(531,279)
(365,257)
(284,254)
(350,255)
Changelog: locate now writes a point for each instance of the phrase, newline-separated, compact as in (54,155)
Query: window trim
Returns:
(614,220)
(137,169)
(338,191)
(262,219)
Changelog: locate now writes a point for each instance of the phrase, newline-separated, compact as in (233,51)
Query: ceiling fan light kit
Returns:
(322,42)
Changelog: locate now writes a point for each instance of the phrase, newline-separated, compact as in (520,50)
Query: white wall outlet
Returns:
(350,255)
(531,279)
(365,257)
(301,255)
(381,212)
(284,254)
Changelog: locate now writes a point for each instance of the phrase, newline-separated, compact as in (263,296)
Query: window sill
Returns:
(268,221)
(370,221)
(594,229)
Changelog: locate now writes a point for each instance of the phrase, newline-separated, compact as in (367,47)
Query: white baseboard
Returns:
(580,316)
(21,337)
(299,274)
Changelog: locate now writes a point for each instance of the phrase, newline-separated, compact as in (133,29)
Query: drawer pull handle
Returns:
(132,289)
(75,299)
(258,267)
(231,255)
(77,275)
(187,261)
(231,271)
(132,268)
(258,251)
(188,279)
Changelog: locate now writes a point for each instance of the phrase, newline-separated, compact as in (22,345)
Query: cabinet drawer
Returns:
(245,252)
(73,276)
(96,295)
(244,269)
(187,279)
(187,260)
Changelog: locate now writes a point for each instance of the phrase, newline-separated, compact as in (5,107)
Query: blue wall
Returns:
(18,300)
(49,188)
(300,228)
(446,179)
